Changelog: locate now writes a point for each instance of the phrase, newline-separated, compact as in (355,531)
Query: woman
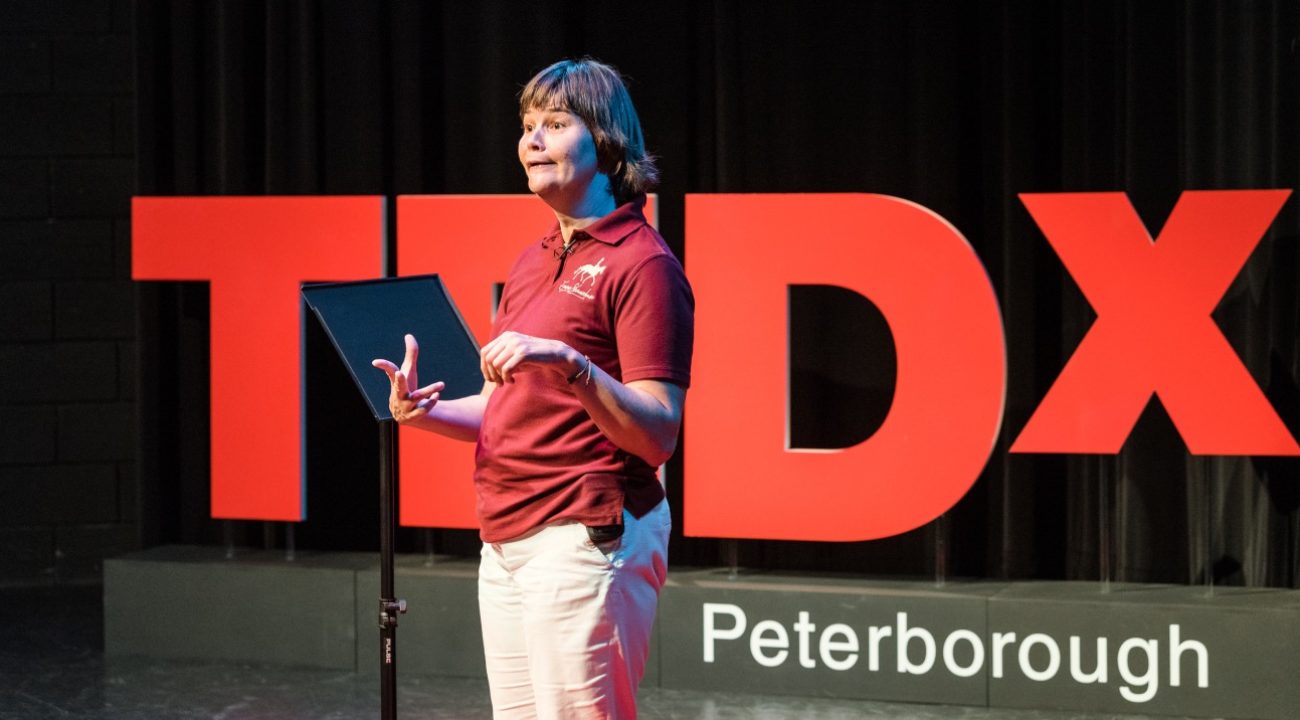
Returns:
(584,381)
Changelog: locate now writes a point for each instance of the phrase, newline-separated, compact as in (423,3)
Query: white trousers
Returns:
(566,623)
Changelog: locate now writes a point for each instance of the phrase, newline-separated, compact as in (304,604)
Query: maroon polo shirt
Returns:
(620,297)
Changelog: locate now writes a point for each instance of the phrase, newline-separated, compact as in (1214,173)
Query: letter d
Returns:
(948,398)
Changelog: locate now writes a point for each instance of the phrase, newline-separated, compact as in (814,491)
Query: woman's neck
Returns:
(595,203)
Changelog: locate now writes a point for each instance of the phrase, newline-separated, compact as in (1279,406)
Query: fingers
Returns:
(412,353)
(499,361)
(405,404)
(507,370)
(410,410)
(398,393)
(509,348)
(512,352)
(424,406)
(483,367)
(395,376)
(428,390)
(496,361)
(411,358)
(486,363)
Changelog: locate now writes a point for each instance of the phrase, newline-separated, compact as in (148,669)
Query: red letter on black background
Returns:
(255,252)
(1154,332)
(741,478)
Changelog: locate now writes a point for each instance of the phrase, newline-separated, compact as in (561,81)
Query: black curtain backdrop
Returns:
(956,106)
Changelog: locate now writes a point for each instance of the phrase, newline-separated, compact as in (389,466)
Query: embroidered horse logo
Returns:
(587,273)
(584,279)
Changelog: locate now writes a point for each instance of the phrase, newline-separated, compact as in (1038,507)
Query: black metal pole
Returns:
(389,606)
(941,550)
(1108,471)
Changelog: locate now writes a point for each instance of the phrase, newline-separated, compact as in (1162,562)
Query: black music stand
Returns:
(367,320)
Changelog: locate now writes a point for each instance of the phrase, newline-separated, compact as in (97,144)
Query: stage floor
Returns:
(52,665)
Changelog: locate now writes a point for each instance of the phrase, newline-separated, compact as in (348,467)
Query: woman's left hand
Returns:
(512,352)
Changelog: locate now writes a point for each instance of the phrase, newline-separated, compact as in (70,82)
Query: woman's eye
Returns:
(557,125)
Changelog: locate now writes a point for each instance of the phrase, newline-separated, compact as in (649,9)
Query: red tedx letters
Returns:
(1153,334)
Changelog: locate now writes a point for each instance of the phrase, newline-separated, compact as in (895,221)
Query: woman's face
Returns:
(558,154)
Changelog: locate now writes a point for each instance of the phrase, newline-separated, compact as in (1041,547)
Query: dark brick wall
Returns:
(68,490)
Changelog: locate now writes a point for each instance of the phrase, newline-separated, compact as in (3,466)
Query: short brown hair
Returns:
(595,92)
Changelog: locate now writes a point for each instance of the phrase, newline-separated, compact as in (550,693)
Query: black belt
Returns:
(600,534)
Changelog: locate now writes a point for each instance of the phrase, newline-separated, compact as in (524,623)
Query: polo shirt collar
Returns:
(610,229)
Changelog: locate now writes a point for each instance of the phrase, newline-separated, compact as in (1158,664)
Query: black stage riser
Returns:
(1002,645)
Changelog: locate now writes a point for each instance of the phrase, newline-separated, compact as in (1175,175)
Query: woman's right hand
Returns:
(405,404)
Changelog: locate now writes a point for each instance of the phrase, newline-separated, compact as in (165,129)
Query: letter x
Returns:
(1154,331)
